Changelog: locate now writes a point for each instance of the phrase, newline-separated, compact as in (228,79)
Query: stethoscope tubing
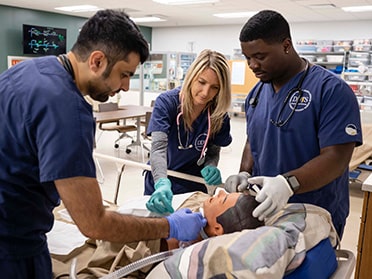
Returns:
(201,159)
(253,101)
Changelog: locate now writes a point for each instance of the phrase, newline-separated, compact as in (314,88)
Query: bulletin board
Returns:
(12,60)
(242,77)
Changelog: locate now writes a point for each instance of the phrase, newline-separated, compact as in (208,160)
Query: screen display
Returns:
(42,40)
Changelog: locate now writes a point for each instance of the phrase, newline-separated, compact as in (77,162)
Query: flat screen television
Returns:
(43,40)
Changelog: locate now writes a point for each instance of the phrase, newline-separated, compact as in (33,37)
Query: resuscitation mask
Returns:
(202,232)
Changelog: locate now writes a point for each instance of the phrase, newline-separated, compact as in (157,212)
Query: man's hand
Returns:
(273,196)
(161,200)
(237,182)
(211,175)
(185,225)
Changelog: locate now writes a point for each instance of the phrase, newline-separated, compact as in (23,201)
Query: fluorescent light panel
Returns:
(236,15)
(356,9)
(184,2)
(147,19)
(79,8)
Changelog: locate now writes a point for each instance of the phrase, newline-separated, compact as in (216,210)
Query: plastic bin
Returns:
(356,77)
(362,42)
(355,62)
(335,58)
(306,48)
(367,100)
(341,46)
(324,48)
(321,58)
(361,47)
(354,54)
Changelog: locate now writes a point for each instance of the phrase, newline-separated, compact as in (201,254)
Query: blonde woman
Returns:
(189,124)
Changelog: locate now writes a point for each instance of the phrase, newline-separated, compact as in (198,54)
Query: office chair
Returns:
(145,138)
(122,129)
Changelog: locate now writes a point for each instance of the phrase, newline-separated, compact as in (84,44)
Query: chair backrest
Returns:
(147,120)
(108,106)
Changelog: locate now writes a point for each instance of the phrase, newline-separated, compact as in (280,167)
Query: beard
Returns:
(99,91)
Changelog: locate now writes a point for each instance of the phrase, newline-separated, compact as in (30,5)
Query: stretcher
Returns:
(321,261)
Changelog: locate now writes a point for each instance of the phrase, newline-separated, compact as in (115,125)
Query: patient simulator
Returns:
(233,242)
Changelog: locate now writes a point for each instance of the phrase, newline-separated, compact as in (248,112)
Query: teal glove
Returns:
(161,200)
(211,175)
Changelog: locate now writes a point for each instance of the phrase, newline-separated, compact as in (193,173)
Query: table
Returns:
(364,256)
(125,112)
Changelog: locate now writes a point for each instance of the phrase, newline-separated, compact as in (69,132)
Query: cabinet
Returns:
(163,71)
(358,74)
(332,55)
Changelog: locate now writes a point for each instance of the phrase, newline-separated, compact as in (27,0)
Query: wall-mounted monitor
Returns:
(43,40)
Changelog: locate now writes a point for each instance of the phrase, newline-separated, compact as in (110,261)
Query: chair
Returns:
(146,139)
(122,129)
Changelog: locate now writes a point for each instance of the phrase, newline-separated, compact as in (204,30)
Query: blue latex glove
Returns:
(161,200)
(185,225)
(211,175)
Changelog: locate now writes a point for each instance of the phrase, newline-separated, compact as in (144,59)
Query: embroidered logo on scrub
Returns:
(303,103)
(199,141)
(351,130)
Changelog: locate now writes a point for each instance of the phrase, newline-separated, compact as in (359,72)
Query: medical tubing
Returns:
(128,269)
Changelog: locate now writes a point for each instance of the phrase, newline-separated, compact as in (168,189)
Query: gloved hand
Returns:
(185,225)
(237,182)
(161,200)
(273,196)
(211,175)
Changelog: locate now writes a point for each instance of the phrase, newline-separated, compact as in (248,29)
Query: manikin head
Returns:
(229,212)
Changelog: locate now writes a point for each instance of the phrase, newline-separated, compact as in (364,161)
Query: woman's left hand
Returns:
(211,175)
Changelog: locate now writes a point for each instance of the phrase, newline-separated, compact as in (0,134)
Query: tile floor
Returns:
(132,180)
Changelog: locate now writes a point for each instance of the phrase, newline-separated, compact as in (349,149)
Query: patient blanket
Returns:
(270,251)
(266,252)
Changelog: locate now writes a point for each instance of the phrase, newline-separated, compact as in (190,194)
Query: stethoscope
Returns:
(67,64)
(253,101)
(201,159)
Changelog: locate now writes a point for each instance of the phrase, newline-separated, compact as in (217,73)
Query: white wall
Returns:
(225,38)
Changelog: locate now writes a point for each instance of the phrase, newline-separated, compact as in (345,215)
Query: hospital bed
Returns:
(338,264)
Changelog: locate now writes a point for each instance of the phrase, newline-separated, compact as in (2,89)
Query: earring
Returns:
(286,51)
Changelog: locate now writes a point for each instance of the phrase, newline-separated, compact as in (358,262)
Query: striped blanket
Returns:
(270,251)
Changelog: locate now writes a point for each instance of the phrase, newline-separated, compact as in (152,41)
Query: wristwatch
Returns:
(293,182)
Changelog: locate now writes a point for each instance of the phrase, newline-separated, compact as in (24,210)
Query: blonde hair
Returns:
(220,104)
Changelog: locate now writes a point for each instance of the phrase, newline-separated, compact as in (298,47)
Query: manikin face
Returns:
(215,206)
(100,88)
(205,87)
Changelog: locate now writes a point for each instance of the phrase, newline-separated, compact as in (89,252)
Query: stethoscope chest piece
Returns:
(201,160)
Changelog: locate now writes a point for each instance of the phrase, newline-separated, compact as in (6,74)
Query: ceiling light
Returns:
(185,2)
(147,19)
(236,15)
(356,9)
(78,9)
